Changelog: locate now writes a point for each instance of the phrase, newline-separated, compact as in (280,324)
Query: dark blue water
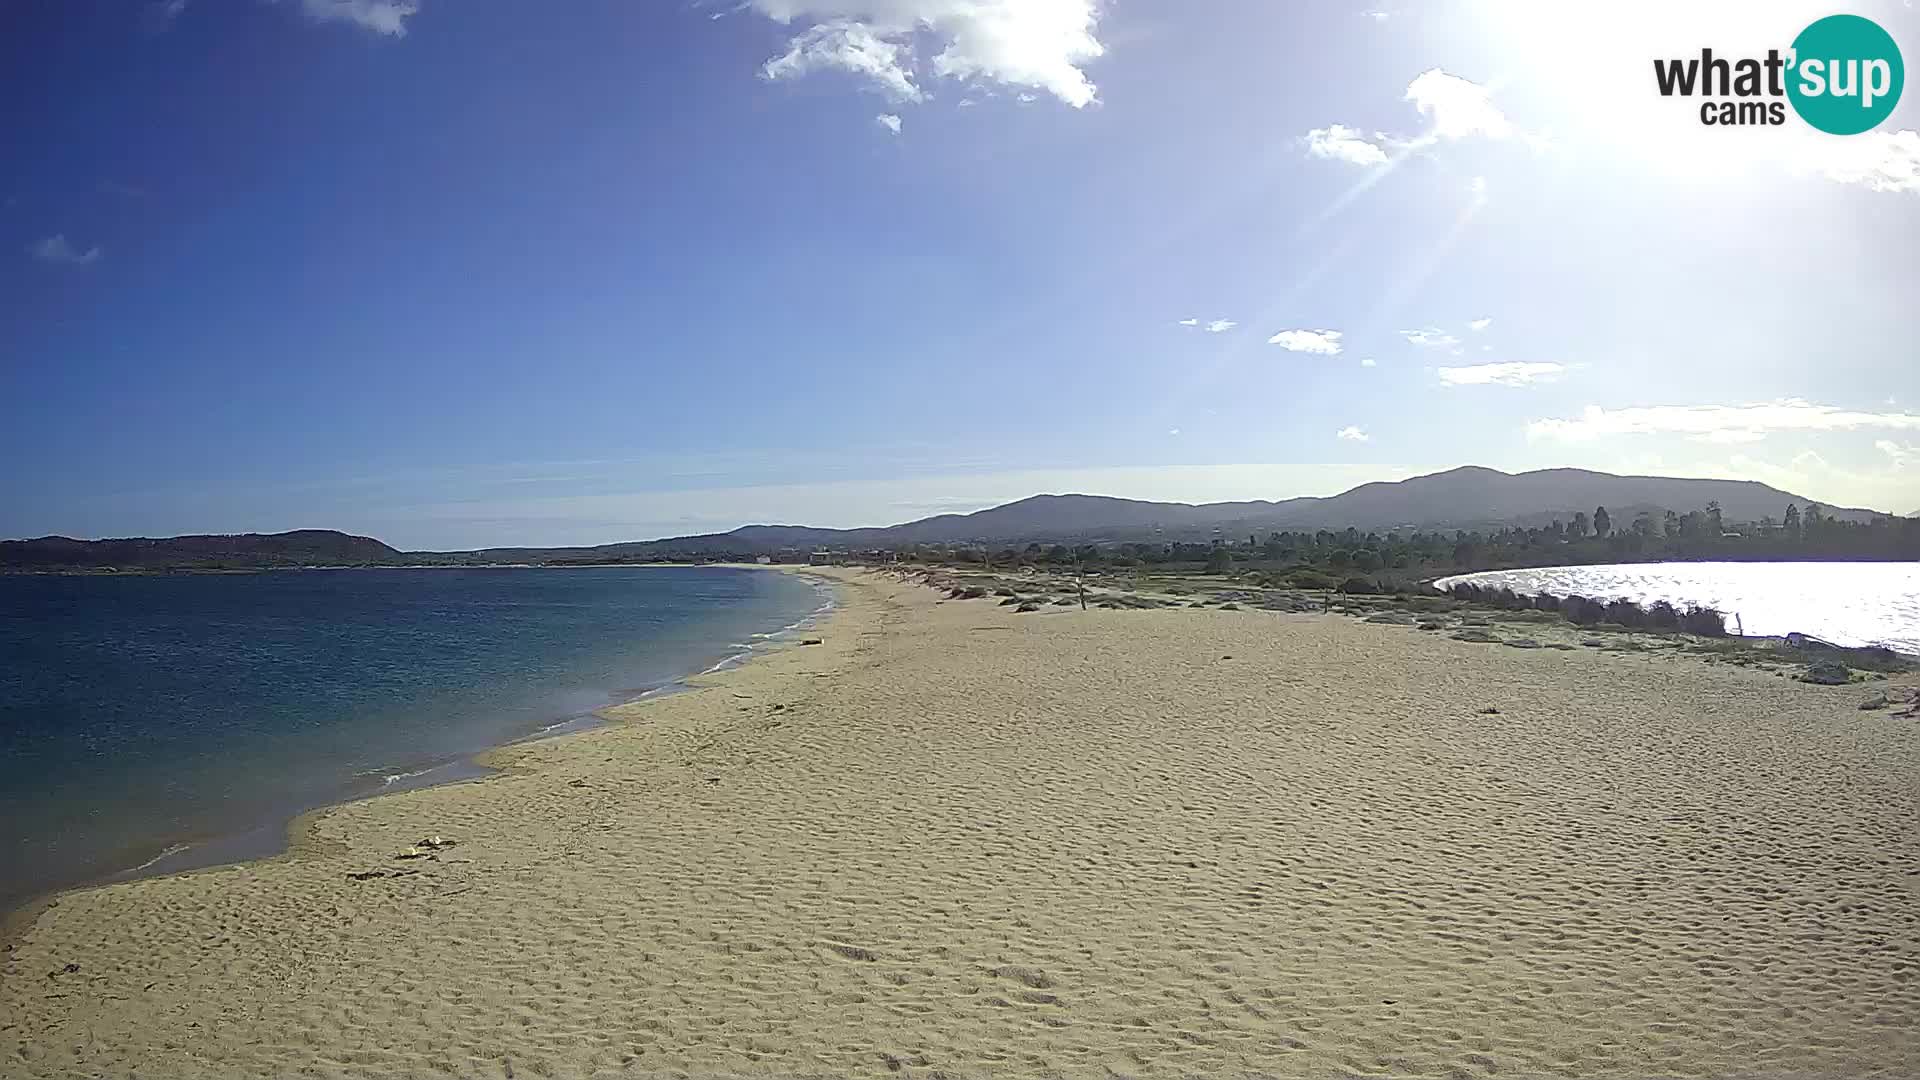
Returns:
(186,718)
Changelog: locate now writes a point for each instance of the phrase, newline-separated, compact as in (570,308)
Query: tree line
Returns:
(1799,534)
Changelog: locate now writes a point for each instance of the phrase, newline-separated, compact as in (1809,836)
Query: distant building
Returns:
(820,558)
(765,560)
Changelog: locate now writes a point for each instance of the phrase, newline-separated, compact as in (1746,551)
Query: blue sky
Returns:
(454,274)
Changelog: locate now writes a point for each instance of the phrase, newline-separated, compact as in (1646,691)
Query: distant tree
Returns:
(1792,522)
(1577,528)
(1713,517)
(1340,558)
(1220,562)
(1671,524)
(1811,521)
(1602,524)
(1058,553)
(1643,525)
(1366,560)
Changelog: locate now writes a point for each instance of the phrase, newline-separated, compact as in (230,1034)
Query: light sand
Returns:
(958,840)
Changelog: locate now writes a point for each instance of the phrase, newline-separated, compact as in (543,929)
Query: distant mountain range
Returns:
(1469,497)
(305,547)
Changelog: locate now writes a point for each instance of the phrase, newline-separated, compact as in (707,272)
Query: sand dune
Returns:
(955,840)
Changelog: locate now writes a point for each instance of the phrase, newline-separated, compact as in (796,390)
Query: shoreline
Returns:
(959,837)
(274,836)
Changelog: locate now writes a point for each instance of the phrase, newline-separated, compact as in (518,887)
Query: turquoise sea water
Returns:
(167,721)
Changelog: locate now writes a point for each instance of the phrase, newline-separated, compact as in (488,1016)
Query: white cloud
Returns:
(387,17)
(1511,373)
(1211,326)
(1430,338)
(1876,160)
(1717,423)
(1368,362)
(1479,325)
(1351,434)
(888,121)
(851,47)
(1457,107)
(1173,431)
(1901,456)
(1376,15)
(55,249)
(1321,342)
(1730,436)
(1337,142)
(1038,44)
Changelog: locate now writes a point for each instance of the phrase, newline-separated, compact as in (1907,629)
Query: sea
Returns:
(1847,603)
(155,723)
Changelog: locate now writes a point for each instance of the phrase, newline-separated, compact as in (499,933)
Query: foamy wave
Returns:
(170,850)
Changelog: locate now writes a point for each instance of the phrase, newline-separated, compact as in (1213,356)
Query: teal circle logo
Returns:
(1846,76)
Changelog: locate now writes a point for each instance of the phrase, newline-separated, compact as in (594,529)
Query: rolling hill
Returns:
(1469,497)
(304,547)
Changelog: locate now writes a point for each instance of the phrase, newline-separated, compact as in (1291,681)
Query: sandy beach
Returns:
(956,840)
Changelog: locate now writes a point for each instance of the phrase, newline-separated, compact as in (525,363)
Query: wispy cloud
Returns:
(1321,342)
(1432,338)
(1337,142)
(1035,44)
(161,13)
(1351,434)
(1718,423)
(56,249)
(851,47)
(1368,362)
(1899,455)
(1479,325)
(388,17)
(1875,160)
(888,121)
(1211,326)
(1512,373)
(1454,108)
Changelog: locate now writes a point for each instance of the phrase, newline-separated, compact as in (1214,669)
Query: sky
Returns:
(459,274)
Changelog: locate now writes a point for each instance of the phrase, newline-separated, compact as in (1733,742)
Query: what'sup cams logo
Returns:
(1843,75)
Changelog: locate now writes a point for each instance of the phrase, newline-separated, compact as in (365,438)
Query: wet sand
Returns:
(953,839)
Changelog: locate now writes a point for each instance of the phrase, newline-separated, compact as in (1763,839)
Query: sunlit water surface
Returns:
(1849,603)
